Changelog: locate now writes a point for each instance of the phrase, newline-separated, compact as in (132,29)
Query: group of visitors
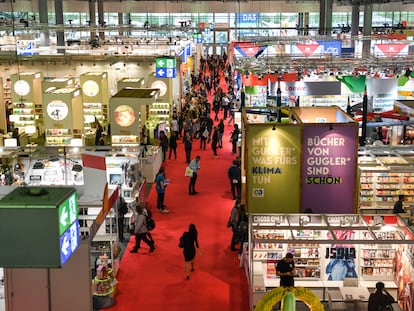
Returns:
(198,120)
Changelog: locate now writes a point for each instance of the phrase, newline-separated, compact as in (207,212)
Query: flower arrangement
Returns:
(276,295)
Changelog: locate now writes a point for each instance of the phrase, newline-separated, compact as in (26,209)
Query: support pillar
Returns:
(60,34)
(101,19)
(366,43)
(325,13)
(300,24)
(354,24)
(92,18)
(306,23)
(43,19)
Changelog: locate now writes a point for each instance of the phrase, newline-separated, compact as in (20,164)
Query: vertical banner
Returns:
(273,163)
(329,168)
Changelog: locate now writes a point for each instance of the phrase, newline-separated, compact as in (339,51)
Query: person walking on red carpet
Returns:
(160,184)
(141,231)
(194,166)
(189,241)
(214,141)
(234,174)
(188,145)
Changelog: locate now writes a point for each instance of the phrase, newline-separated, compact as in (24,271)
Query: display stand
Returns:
(48,84)
(160,111)
(382,179)
(95,96)
(372,247)
(64,115)
(128,111)
(27,100)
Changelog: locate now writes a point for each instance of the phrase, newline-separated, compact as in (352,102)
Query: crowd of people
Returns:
(199,125)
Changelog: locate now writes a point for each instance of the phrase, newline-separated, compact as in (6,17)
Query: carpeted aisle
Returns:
(156,281)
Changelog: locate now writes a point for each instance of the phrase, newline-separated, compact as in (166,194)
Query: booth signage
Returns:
(272,160)
(329,168)
(301,88)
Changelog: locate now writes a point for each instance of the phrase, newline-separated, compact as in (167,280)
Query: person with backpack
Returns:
(141,231)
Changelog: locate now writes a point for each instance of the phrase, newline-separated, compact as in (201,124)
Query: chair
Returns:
(336,305)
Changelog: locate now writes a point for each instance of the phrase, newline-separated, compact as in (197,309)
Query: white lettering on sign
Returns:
(249,17)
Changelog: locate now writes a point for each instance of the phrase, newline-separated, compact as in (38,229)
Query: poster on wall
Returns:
(329,168)
(273,176)
(341,258)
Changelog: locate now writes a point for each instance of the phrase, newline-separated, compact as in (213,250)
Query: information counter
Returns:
(330,252)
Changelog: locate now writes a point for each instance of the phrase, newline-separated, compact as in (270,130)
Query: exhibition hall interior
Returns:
(321,94)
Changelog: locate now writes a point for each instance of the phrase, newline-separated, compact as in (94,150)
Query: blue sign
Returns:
(330,47)
(69,242)
(165,72)
(247,19)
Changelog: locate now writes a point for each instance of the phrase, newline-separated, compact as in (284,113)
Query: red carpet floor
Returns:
(156,281)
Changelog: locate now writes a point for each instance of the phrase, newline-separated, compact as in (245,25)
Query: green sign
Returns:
(68,212)
(38,227)
(165,63)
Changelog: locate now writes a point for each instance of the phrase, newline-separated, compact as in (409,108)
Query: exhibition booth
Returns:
(313,155)
(331,252)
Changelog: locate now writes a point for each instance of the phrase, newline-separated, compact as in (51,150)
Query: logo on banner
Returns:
(392,49)
(307,49)
(258,192)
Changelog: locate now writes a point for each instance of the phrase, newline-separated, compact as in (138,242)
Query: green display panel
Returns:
(38,227)
(273,163)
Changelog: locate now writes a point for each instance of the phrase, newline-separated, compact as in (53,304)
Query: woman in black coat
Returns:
(190,242)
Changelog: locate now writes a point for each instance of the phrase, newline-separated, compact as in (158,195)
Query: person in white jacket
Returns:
(141,231)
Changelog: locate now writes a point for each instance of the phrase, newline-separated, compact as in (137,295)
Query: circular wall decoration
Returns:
(22,87)
(124,115)
(158,84)
(90,88)
(57,110)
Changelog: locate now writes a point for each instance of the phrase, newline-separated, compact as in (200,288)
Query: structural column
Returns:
(325,20)
(366,42)
(60,34)
(101,19)
(92,18)
(354,24)
(44,35)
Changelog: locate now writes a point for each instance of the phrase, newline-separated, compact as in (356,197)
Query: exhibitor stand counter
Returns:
(328,251)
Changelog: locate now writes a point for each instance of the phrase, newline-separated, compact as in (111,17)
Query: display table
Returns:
(354,294)
(151,163)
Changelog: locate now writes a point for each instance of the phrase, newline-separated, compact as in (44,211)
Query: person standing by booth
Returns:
(286,270)
(381,299)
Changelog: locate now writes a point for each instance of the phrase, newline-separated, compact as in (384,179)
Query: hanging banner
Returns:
(383,92)
(245,49)
(273,177)
(301,88)
(329,168)
(313,49)
(390,49)
(333,47)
